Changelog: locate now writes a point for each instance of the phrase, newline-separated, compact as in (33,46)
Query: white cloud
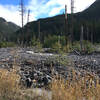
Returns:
(41,7)
(11,14)
(50,7)
(82,4)
(55,11)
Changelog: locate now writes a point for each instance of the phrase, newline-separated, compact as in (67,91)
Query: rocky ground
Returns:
(38,69)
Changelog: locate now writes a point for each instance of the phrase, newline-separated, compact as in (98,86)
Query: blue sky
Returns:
(4,2)
(12,2)
(9,9)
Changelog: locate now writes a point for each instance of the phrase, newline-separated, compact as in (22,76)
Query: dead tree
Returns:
(91,36)
(72,21)
(22,10)
(28,28)
(65,19)
(28,16)
(66,28)
(81,38)
(87,33)
(92,31)
(39,30)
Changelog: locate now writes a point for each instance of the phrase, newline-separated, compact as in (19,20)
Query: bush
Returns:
(37,44)
(87,46)
(51,40)
(6,44)
(57,47)
(76,46)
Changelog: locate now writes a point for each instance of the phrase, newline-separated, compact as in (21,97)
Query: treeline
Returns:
(56,26)
(86,25)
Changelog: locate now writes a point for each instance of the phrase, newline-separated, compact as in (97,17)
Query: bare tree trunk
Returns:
(87,32)
(22,20)
(92,27)
(28,16)
(72,19)
(66,23)
(39,30)
(91,37)
(81,38)
(22,12)
(66,19)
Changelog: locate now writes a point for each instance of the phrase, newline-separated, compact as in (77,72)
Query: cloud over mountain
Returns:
(40,8)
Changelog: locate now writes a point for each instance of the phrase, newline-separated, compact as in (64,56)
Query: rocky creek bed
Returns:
(38,69)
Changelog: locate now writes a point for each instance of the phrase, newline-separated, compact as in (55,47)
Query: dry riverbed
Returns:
(38,69)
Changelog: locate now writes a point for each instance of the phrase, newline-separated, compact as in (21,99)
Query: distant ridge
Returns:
(7,29)
(93,12)
(90,18)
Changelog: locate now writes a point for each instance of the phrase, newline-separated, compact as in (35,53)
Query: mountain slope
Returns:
(93,12)
(89,18)
(7,29)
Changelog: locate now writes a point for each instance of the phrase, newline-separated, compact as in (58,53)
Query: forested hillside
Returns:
(7,29)
(44,28)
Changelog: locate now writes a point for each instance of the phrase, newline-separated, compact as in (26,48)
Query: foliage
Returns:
(55,42)
(56,47)
(33,41)
(37,44)
(63,60)
(7,29)
(87,46)
(67,48)
(61,44)
(55,26)
(6,44)
(76,46)
(50,40)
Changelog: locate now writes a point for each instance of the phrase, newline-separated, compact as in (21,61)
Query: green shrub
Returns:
(87,46)
(76,46)
(6,44)
(57,47)
(37,44)
(52,40)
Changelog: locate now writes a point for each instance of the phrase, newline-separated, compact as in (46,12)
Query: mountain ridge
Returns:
(89,18)
(7,29)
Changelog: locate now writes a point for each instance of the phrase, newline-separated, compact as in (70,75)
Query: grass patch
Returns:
(77,88)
